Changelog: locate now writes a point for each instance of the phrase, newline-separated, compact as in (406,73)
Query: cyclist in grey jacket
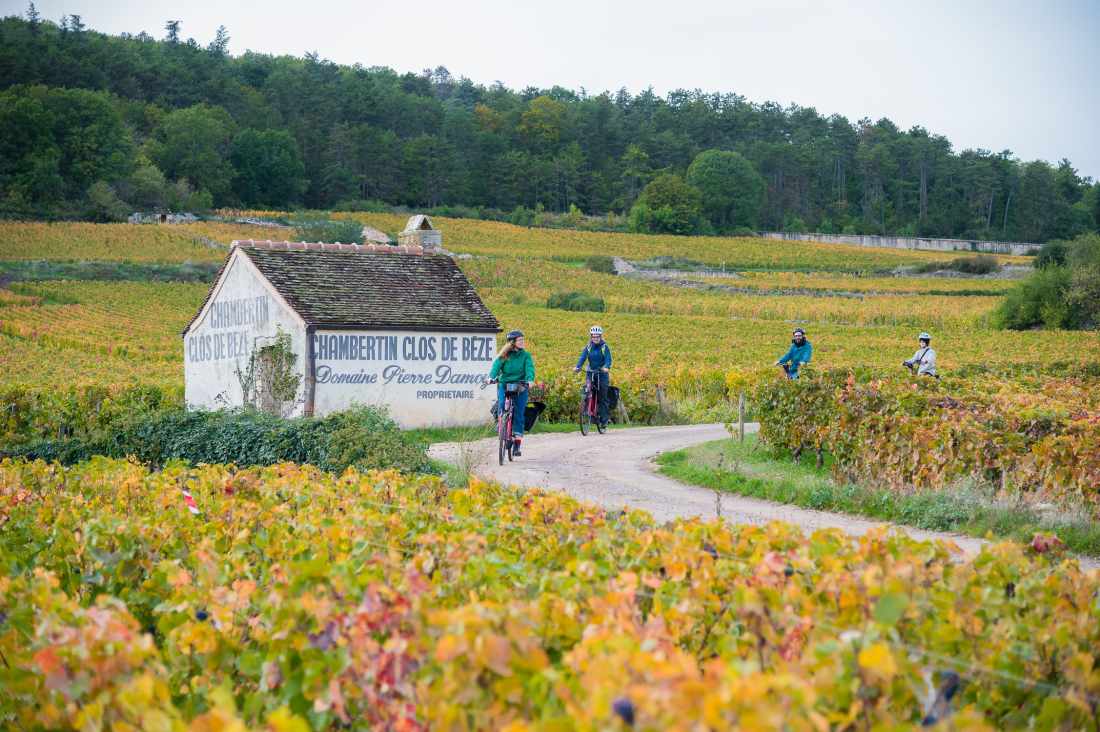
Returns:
(923,362)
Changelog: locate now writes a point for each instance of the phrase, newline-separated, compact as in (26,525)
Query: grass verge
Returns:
(749,470)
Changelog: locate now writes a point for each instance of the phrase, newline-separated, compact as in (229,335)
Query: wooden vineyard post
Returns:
(741,417)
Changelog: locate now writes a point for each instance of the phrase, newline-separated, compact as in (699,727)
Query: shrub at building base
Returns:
(363,437)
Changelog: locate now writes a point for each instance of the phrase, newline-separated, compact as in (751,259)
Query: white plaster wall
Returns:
(244,313)
(424,379)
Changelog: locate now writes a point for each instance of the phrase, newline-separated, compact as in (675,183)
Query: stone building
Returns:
(391,326)
(420,232)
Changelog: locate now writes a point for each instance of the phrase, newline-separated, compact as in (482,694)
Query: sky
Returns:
(1012,75)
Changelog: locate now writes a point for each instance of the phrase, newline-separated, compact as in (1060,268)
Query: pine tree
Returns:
(220,44)
(33,18)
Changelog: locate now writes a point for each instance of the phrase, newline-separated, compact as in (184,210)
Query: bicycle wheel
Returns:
(601,426)
(502,438)
(585,418)
(509,443)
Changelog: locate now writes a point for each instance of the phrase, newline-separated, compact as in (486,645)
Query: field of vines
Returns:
(834,282)
(498,239)
(700,347)
(700,340)
(207,241)
(198,242)
(492,238)
(522,281)
(298,600)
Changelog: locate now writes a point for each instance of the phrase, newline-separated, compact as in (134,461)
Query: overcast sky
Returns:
(1023,76)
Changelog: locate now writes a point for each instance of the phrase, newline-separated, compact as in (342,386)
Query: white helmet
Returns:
(924,336)
(595,330)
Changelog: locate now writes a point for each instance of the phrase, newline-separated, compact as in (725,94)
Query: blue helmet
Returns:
(514,335)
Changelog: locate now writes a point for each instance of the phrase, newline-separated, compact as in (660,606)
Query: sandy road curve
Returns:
(616,469)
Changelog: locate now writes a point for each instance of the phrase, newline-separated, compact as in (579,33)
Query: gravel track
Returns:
(617,469)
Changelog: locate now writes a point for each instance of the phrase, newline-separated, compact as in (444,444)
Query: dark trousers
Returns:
(600,382)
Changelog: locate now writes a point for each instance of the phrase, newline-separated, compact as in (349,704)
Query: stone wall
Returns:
(139,217)
(430,239)
(904,242)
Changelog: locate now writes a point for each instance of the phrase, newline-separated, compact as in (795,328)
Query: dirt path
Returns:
(616,470)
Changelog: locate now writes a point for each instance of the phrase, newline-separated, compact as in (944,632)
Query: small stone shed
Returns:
(389,326)
(420,232)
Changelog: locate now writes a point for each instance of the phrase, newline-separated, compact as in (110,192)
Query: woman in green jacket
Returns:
(514,365)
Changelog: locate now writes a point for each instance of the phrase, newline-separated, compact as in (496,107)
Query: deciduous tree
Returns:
(731,189)
(667,205)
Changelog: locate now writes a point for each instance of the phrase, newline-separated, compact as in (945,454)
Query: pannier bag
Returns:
(531,415)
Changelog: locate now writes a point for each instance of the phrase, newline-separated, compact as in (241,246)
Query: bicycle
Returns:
(914,370)
(590,405)
(504,421)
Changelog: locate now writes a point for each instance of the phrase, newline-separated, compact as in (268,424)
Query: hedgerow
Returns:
(1034,436)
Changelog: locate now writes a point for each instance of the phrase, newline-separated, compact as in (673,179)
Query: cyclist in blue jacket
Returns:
(598,355)
(799,353)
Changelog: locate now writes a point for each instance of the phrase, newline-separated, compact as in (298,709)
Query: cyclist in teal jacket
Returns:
(514,365)
(799,353)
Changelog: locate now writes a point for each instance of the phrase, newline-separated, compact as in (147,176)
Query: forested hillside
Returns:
(93,126)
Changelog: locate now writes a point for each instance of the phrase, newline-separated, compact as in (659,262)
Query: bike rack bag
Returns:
(531,414)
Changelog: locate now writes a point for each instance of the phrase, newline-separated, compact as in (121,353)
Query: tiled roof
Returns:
(370,287)
(419,222)
(311,246)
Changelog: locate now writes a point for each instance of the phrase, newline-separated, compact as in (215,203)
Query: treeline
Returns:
(95,125)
